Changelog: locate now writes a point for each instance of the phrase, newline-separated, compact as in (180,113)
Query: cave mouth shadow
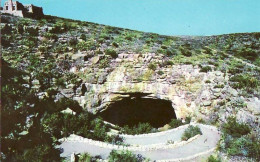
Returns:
(133,110)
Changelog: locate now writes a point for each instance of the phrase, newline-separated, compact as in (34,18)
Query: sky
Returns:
(167,17)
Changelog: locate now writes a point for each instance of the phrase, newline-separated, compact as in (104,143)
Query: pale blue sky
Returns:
(168,17)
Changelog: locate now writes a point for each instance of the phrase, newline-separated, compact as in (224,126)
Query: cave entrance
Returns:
(133,110)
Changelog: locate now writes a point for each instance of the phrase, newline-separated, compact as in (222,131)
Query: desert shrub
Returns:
(171,52)
(39,153)
(60,82)
(32,31)
(5,41)
(244,146)
(235,67)
(212,158)
(43,48)
(208,50)
(141,128)
(116,140)
(101,40)
(119,156)
(191,131)
(235,129)
(61,27)
(175,123)
(87,45)
(99,130)
(185,51)
(115,44)
(111,52)
(103,63)
(169,63)
(85,157)
(236,140)
(205,69)
(60,49)
(160,72)
(50,36)
(73,42)
(164,47)
(104,36)
(6,29)
(219,86)
(244,81)
(83,37)
(207,81)
(152,66)
(165,63)
(187,120)
(247,53)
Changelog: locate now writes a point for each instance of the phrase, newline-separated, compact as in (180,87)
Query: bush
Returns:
(205,69)
(187,120)
(191,131)
(115,44)
(141,128)
(152,66)
(244,81)
(185,51)
(235,129)
(236,140)
(85,157)
(32,31)
(73,42)
(83,37)
(211,158)
(90,44)
(99,130)
(160,72)
(248,53)
(175,123)
(111,53)
(165,63)
(116,140)
(244,146)
(239,146)
(120,156)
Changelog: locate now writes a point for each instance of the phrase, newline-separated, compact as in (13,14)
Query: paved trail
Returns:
(203,144)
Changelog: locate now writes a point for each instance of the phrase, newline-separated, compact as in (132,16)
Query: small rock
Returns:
(206,103)
(95,59)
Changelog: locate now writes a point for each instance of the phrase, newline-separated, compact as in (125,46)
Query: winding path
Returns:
(152,146)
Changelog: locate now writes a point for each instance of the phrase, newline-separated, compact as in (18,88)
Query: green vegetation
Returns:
(152,66)
(86,157)
(205,69)
(37,56)
(235,129)
(18,104)
(175,123)
(119,156)
(244,81)
(247,53)
(141,128)
(238,139)
(212,158)
(111,52)
(191,131)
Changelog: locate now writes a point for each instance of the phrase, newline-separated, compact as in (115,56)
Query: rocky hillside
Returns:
(207,78)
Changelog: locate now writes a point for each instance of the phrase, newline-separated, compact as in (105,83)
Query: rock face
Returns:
(183,85)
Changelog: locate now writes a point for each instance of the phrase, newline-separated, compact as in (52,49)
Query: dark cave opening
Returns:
(133,110)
